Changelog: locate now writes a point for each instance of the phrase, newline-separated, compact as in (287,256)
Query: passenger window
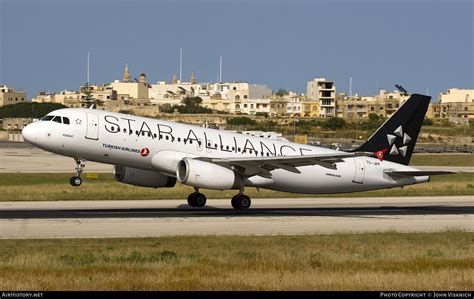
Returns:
(136,132)
(65,120)
(154,135)
(57,119)
(143,133)
(124,130)
(167,137)
(149,134)
(179,139)
(238,149)
(190,141)
(172,139)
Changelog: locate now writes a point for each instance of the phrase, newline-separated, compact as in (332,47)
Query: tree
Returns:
(241,121)
(264,114)
(86,100)
(29,110)
(281,92)
(334,123)
(428,122)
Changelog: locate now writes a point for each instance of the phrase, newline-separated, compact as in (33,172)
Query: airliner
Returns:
(155,153)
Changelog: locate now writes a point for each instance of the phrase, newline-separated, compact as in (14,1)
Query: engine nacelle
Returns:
(203,174)
(142,178)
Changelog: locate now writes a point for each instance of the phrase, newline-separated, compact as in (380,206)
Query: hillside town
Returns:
(223,99)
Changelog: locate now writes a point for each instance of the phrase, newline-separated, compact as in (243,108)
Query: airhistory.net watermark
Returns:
(425,294)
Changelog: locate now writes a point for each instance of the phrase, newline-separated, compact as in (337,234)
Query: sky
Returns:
(426,46)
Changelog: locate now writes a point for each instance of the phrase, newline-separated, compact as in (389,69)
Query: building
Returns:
(323,91)
(8,96)
(15,123)
(310,108)
(456,95)
(254,106)
(356,107)
(71,99)
(456,105)
(278,106)
(127,89)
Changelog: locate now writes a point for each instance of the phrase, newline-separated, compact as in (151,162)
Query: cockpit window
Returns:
(48,117)
(57,119)
(65,120)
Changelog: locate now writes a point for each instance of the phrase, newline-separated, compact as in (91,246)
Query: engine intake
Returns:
(142,178)
(203,174)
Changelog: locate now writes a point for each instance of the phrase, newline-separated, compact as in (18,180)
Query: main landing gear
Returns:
(239,201)
(76,180)
(196,199)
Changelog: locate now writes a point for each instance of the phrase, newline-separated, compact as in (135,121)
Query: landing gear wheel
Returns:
(75,181)
(241,202)
(197,200)
(234,202)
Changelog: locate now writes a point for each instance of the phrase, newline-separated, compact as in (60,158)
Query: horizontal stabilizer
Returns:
(418,172)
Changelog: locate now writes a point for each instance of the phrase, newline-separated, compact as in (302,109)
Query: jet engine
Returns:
(204,174)
(142,178)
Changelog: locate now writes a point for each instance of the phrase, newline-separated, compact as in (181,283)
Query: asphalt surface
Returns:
(78,219)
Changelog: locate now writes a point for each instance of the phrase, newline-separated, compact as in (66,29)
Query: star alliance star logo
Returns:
(402,150)
(78,121)
(394,150)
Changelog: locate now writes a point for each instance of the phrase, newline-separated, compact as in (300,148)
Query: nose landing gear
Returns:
(76,180)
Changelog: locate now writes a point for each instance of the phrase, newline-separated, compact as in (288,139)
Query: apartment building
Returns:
(323,91)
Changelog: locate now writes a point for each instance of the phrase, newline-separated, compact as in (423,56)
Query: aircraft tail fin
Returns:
(395,140)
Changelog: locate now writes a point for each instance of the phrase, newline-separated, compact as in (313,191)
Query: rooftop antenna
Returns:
(180,64)
(220,68)
(350,86)
(88,67)
(402,90)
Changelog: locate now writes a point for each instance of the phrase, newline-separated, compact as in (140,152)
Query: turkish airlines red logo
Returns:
(144,152)
(381,153)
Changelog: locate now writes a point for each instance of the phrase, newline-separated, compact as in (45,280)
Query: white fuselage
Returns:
(132,141)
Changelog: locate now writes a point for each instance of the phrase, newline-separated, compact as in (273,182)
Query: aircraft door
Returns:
(92,131)
(359,171)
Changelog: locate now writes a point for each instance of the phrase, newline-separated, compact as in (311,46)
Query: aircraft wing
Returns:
(263,165)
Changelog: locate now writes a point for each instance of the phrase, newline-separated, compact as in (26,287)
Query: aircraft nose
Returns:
(30,133)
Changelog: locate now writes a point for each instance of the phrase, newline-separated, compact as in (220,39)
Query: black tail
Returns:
(395,139)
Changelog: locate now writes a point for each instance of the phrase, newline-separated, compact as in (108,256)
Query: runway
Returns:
(81,219)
